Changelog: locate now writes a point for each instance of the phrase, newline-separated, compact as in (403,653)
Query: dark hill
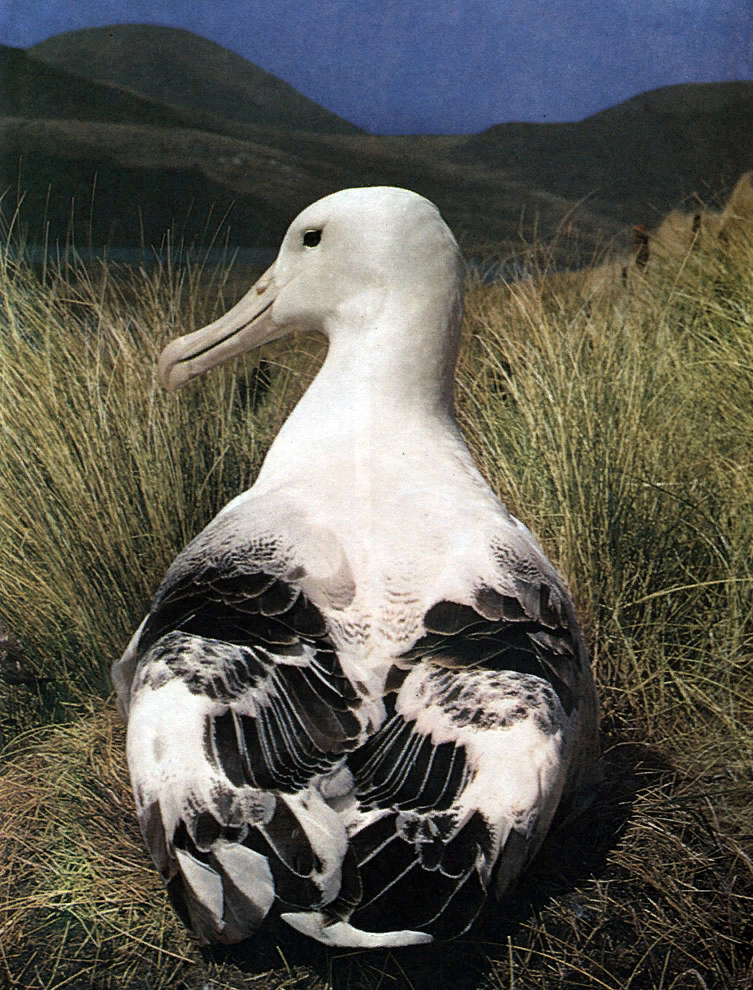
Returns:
(115,135)
(175,67)
(636,160)
(32,89)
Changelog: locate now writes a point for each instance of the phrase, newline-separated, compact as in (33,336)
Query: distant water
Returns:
(35,254)
(484,269)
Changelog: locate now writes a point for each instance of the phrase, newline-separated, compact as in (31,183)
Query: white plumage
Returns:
(361,693)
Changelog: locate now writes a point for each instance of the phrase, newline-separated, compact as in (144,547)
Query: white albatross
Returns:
(361,694)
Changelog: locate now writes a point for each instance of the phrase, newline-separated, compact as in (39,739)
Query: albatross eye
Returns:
(311,238)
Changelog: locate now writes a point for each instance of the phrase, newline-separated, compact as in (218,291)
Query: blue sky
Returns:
(444,66)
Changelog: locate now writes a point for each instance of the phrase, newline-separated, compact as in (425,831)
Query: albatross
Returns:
(361,693)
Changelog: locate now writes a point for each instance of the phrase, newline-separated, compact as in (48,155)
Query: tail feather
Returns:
(248,888)
(342,934)
(224,880)
(424,872)
(223,896)
(200,895)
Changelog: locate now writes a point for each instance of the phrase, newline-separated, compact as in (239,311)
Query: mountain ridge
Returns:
(144,158)
(174,66)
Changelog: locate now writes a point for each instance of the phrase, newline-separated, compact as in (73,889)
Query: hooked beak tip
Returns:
(165,367)
(248,325)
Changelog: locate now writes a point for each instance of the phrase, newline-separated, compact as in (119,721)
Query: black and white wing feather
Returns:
(237,703)
(459,785)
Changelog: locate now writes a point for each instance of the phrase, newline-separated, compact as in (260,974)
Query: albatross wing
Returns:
(262,783)
(238,702)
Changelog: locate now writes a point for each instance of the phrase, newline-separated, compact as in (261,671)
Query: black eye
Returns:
(311,238)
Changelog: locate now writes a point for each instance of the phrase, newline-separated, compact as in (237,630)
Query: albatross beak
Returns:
(248,325)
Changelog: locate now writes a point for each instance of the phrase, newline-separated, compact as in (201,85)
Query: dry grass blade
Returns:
(75,878)
(104,477)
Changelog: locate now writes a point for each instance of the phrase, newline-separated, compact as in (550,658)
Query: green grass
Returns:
(104,477)
(616,423)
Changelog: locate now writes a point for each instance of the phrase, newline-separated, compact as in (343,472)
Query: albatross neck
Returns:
(385,391)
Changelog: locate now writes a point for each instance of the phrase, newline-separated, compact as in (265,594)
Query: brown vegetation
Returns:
(703,229)
(619,284)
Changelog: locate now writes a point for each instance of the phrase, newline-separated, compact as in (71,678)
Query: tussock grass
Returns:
(623,440)
(78,896)
(104,477)
(615,420)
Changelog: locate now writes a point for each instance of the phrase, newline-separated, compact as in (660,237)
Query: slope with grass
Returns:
(635,160)
(34,90)
(172,66)
(618,427)
(217,134)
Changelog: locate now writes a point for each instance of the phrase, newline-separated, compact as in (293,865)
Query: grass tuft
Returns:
(105,477)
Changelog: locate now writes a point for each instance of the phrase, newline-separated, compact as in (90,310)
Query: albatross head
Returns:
(369,262)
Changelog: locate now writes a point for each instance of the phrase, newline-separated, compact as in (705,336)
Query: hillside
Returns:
(31,89)
(175,67)
(635,160)
(116,135)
